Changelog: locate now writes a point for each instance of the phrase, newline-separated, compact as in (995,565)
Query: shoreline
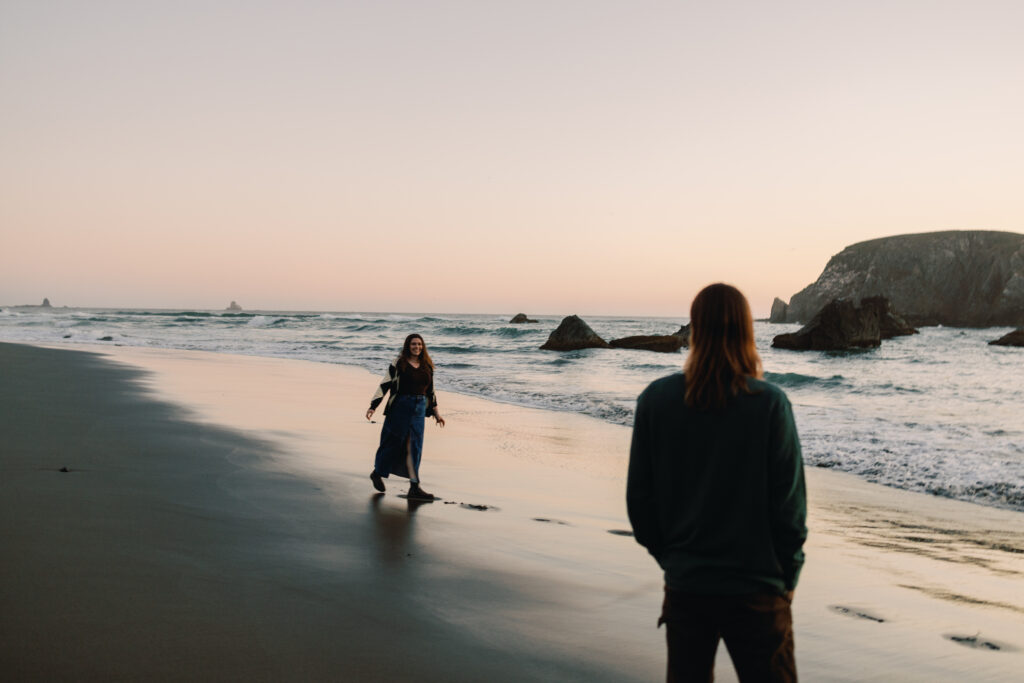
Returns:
(493,587)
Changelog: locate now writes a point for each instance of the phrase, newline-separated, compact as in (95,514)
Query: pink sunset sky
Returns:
(550,157)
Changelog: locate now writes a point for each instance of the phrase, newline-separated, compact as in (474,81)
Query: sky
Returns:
(548,157)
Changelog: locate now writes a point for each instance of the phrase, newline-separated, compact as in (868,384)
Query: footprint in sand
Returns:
(978,643)
(620,532)
(550,521)
(853,612)
(474,506)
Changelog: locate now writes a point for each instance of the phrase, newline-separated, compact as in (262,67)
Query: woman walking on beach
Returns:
(715,493)
(410,379)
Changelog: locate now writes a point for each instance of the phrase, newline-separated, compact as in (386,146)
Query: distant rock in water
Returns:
(571,334)
(890,323)
(108,338)
(663,343)
(684,332)
(234,306)
(959,278)
(838,326)
(1015,338)
(778,314)
(521,318)
(46,303)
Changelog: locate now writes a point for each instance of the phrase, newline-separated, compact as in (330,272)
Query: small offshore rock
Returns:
(106,338)
(46,303)
(64,469)
(572,334)
(662,343)
(1015,338)
(233,306)
(520,318)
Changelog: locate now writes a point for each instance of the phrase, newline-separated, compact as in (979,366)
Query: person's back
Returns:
(716,494)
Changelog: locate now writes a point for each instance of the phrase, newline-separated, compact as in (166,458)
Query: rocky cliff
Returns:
(962,278)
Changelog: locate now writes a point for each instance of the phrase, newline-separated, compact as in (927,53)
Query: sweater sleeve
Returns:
(640,500)
(431,398)
(383,387)
(787,494)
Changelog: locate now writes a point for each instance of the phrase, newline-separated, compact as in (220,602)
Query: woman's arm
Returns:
(432,402)
(640,502)
(788,497)
(385,385)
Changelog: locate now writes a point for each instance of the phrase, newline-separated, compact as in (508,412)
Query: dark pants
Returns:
(757,630)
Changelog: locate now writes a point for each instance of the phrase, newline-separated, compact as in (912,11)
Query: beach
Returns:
(216,522)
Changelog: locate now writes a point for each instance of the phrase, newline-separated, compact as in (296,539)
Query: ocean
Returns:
(939,412)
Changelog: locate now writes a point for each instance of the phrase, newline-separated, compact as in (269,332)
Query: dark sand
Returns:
(170,551)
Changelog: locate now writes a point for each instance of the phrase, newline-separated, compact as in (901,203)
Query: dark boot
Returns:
(378,483)
(416,493)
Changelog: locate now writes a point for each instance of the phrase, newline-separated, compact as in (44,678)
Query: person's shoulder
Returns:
(767,391)
(670,385)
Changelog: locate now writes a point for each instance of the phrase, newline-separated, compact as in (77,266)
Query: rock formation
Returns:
(778,314)
(521,318)
(234,306)
(571,334)
(663,343)
(838,326)
(1015,338)
(890,323)
(46,303)
(960,278)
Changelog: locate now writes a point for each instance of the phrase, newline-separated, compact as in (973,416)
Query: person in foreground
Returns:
(410,379)
(715,492)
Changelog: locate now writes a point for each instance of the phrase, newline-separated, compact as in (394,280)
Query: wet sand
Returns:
(217,522)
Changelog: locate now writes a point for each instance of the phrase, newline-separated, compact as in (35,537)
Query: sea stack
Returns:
(890,323)
(958,278)
(572,334)
(839,326)
(520,318)
(778,314)
(46,303)
(234,306)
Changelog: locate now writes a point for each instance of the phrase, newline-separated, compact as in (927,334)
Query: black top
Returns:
(718,496)
(414,381)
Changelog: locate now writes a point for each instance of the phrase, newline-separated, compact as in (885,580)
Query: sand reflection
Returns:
(393,530)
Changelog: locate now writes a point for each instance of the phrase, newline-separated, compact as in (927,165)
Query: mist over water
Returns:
(938,412)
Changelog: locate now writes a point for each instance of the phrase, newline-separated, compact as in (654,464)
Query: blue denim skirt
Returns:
(404,421)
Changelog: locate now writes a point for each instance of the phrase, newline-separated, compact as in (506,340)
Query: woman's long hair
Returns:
(722,350)
(403,358)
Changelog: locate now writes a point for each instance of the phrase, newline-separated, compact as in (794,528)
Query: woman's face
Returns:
(415,346)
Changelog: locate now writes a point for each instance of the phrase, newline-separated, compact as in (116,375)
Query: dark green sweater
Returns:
(717,497)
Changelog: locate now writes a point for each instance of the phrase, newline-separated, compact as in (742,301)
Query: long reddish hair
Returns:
(723,354)
(403,358)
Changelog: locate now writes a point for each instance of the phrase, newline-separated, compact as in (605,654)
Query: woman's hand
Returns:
(369,413)
(439,419)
